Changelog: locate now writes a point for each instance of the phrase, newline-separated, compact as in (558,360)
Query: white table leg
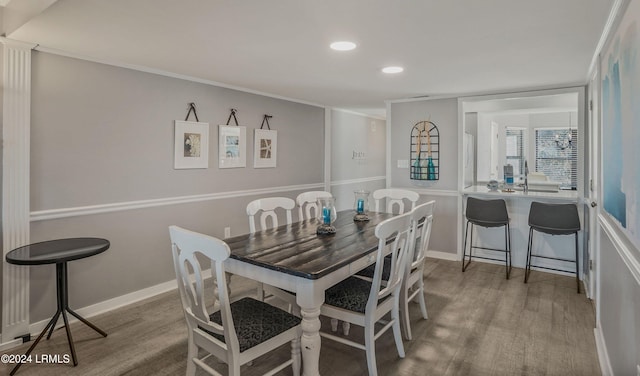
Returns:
(310,341)
(310,296)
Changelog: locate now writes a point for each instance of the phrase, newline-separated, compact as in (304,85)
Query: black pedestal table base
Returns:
(63,305)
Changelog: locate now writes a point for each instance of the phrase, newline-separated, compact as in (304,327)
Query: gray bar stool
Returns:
(553,219)
(487,213)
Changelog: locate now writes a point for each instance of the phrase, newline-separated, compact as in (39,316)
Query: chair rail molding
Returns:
(358,180)
(43,215)
(16,76)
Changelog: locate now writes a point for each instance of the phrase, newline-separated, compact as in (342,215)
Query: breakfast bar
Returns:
(518,204)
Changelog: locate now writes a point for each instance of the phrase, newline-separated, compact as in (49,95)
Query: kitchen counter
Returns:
(482,190)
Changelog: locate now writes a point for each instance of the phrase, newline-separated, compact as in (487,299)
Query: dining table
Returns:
(296,259)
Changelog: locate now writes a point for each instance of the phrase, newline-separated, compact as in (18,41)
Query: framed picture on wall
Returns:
(191,148)
(265,148)
(232,152)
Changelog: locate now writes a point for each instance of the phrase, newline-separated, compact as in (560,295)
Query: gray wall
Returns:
(103,134)
(352,134)
(444,113)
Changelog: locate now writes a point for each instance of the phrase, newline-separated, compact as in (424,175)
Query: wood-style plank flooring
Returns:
(479,324)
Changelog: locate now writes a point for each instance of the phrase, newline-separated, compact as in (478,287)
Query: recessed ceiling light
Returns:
(342,46)
(392,70)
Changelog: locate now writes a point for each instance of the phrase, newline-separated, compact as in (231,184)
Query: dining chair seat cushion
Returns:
(255,322)
(351,294)
(369,270)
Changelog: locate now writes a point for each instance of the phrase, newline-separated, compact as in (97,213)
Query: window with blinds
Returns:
(515,140)
(557,155)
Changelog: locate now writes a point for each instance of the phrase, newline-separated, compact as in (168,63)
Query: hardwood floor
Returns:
(479,324)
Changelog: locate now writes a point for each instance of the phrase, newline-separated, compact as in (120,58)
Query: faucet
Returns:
(526,174)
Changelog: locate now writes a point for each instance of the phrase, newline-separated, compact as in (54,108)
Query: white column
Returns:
(327,149)
(15,184)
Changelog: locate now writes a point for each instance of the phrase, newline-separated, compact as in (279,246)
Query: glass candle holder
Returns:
(326,215)
(361,206)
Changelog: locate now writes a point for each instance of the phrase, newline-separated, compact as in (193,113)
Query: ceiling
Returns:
(281,47)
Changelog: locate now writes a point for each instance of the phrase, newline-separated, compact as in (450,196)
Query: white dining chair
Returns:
(308,203)
(395,197)
(413,284)
(267,209)
(235,332)
(413,281)
(365,303)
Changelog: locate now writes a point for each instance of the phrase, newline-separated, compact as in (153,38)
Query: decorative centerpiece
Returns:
(361,206)
(326,215)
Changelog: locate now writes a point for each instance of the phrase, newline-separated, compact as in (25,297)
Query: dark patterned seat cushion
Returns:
(255,322)
(351,294)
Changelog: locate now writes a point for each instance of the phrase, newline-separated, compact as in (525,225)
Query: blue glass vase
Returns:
(326,215)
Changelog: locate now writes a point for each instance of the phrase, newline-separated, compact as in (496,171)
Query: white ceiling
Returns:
(280,47)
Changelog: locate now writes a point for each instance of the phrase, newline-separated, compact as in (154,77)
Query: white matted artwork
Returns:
(232,142)
(265,148)
(191,148)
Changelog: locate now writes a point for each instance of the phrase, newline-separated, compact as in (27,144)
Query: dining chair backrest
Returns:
(413,283)
(421,222)
(308,203)
(266,209)
(393,239)
(186,245)
(395,197)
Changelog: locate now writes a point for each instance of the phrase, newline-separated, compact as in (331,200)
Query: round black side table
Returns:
(59,252)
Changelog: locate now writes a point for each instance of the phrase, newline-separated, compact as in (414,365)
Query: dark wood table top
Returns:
(296,249)
(57,251)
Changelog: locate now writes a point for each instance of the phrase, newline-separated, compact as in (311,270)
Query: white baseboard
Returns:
(109,305)
(603,355)
(443,255)
(10,344)
(105,306)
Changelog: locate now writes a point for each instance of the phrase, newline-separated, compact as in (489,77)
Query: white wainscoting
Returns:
(603,355)
(621,246)
(624,249)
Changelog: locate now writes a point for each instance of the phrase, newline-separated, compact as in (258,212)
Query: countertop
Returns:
(482,190)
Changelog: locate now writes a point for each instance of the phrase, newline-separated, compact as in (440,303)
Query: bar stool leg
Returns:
(464,248)
(527,268)
(507,254)
(577,266)
(510,255)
